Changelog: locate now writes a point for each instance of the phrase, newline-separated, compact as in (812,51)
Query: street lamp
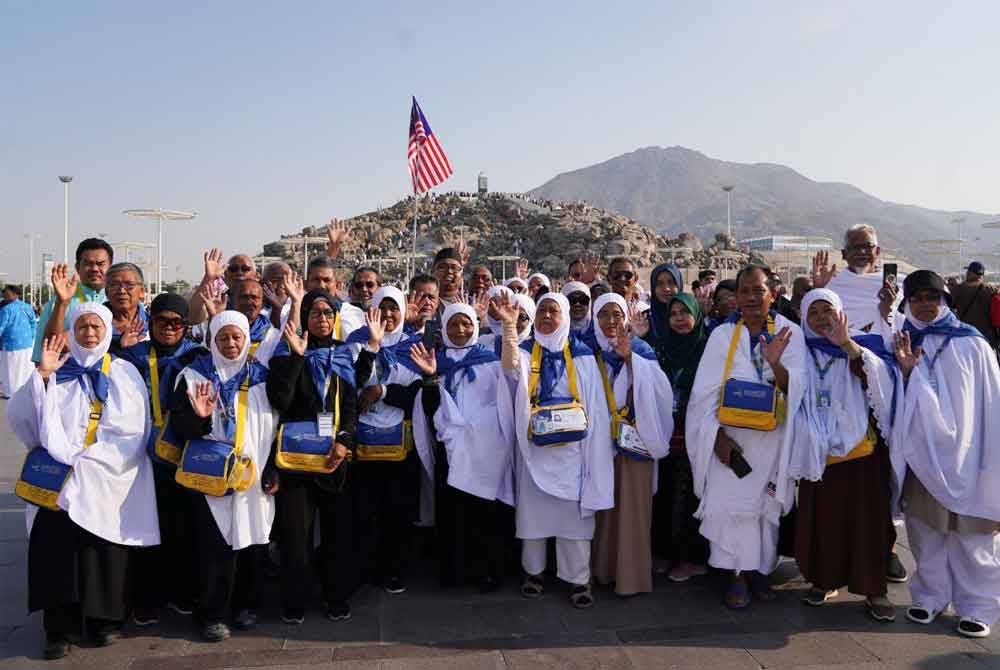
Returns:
(729,211)
(959,221)
(31,265)
(65,180)
(160,215)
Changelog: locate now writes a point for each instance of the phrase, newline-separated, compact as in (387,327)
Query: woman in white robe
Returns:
(739,516)
(231,532)
(560,488)
(844,526)
(470,451)
(947,443)
(77,556)
(623,551)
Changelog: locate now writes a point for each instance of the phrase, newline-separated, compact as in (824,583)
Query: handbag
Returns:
(866,447)
(43,477)
(300,447)
(163,446)
(218,468)
(383,443)
(623,432)
(557,421)
(746,404)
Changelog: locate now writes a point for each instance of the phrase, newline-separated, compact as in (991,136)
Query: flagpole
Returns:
(413,256)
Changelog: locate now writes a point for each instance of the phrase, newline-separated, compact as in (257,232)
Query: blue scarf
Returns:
(389,357)
(738,314)
(322,362)
(639,348)
(257,373)
(477,355)
(71,370)
(169,364)
(949,327)
(554,364)
(259,328)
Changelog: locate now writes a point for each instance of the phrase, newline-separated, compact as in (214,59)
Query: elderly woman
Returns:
(525,318)
(563,477)
(636,391)
(83,415)
(844,522)
(222,400)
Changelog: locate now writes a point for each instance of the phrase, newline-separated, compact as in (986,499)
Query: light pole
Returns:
(65,180)
(729,211)
(159,215)
(31,266)
(959,221)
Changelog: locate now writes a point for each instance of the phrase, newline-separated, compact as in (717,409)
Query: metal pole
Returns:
(66,222)
(159,252)
(413,257)
(31,268)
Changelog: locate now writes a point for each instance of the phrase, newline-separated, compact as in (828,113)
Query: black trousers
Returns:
(387,502)
(227,580)
(74,576)
(676,535)
(300,497)
(166,573)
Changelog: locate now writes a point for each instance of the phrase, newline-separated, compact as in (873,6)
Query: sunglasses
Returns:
(167,323)
(579,300)
(322,314)
(365,284)
(240,268)
(623,275)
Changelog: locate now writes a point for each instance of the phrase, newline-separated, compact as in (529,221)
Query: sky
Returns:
(267,117)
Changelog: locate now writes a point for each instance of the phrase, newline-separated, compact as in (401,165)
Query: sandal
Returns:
(817,597)
(971,627)
(738,594)
(917,613)
(580,597)
(532,587)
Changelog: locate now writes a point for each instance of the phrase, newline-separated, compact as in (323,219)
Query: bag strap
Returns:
(536,371)
(334,379)
(154,384)
(968,306)
(241,417)
(96,407)
(609,392)
(737,333)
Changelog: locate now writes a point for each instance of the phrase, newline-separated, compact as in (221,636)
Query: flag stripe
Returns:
(425,157)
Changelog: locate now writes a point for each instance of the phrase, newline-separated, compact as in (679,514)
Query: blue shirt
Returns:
(83,294)
(17,326)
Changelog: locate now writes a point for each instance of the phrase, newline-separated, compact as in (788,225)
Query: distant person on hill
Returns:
(973,298)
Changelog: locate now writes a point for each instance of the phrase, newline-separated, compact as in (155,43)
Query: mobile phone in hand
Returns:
(738,464)
(889,274)
(432,334)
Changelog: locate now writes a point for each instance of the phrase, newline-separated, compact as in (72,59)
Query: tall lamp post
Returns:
(959,221)
(65,181)
(159,215)
(729,210)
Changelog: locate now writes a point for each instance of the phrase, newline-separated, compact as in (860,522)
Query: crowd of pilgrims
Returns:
(179,450)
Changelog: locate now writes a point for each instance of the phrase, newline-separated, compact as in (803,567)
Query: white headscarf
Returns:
(556,340)
(394,294)
(603,300)
(450,311)
(818,294)
(515,280)
(942,312)
(578,287)
(494,325)
(88,357)
(543,278)
(526,305)
(225,367)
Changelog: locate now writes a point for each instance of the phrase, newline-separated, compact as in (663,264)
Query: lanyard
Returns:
(609,392)
(154,388)
(756,356)
(96,407)
(821,371)
(931,362)
(536,370)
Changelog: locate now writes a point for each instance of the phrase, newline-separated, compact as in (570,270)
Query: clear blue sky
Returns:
(266,118)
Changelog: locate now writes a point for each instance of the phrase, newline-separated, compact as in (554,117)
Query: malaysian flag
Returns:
(428,164)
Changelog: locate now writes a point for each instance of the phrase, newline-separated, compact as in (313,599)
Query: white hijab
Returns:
(920,325)
(556,340)
(578,287)
(495,291)
(394,294)
(543,278)
(224,366)
(515,280)
(82,355)
(452,350)
(527,305)
(602,339)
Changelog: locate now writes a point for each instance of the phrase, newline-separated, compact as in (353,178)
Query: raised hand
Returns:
(776,347)
(376,327)
(838,332)
(296,344)
(204,399)
(481,303)
(134,331)
(336,232)
(424,359)
(52,357)
(271,297)
(822,272)
(214,264)
(412,309)
(907,357)
(294,287)
(887,298)
(463,251)
(505,309)
(591,264)
(522,269)
(64,282)
(212,298)
(638,322)
(622,344)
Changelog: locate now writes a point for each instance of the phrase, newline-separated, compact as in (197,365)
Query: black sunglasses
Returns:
(624,274)
(240,268)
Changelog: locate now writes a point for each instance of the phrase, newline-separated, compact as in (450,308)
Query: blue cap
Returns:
(976,267)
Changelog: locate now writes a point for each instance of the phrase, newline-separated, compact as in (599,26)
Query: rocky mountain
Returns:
(678,190)
(548,233)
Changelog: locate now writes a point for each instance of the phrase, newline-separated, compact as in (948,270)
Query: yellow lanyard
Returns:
(536,370)
(737,333)
(80,295)
(336,404)
(241,415)
(609,392)
(97,407)
(154,391)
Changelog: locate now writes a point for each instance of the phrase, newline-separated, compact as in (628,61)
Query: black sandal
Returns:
(581,597)
(532,587)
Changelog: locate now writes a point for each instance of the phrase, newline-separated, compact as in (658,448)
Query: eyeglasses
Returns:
(123,285)
(233,269)
(449,268)
(322,314)
(579,300)
(857,248)
(623,275)
(365,284)
(166,323)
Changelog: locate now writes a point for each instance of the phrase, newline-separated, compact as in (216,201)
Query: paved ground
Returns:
(678,626)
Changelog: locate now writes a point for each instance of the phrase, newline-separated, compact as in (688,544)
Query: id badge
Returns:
(630,440)
(324,423)
(823,400)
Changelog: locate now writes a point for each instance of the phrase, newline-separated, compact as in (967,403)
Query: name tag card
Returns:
(324,423)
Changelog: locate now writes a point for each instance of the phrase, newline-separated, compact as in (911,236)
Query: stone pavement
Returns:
(678,626)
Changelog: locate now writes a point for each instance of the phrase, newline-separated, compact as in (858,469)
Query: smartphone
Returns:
(432,334)
(738,464)
(889,273)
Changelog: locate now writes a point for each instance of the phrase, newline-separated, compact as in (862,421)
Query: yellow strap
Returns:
(241,415)
(609,392)
(253,348)
(154,382)
(79,293)
(536,370)
(338,330)
(737,333)
(96,408)
(336,405)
